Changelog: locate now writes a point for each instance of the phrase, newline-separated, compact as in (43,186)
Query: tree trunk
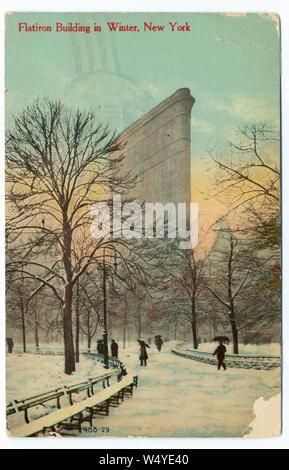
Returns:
(231,300)
(125,325)
(124,335)
(139,326)
(23,326)
(69,358)
(194,324)
(77,339)
(77,324)
(195,335)
(235,335)
(176,328)
(88,332)
(36,334)
(214,329)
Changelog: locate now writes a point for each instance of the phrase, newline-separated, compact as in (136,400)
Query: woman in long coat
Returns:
(143,352)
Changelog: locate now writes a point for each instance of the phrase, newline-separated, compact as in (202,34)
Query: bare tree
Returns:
(247,181)
(235,280)
(186,282)
(89,304)
(230,291)
(135,300)
(251,170)
(34,317)
(16,308)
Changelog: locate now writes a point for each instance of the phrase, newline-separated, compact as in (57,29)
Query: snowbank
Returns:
(273,349)
(29,374)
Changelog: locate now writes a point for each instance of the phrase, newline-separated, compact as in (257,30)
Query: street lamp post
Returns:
(23,312)
(105,268)
(105,342)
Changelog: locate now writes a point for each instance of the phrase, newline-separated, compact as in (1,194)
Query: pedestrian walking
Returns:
(143,352)
(114,348)
(159,342)
(220,352)
(10,345)
(100,346)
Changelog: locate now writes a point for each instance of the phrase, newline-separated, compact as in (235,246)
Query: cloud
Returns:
(202,126)
(247,108)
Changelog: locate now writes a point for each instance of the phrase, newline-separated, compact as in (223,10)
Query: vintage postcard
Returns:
(143,224)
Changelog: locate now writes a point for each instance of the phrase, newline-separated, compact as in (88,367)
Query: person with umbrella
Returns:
(221,350)
(143,352)
(158,342)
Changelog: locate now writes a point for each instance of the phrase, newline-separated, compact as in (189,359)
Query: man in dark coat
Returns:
(100,346)
(114,348)
(220,353)
(10,345)
(143,353)
(158,342)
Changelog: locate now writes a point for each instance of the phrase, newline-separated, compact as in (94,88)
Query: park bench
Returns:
(74,415)
(64,392)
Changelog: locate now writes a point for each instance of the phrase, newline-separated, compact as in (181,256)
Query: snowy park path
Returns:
(178,397)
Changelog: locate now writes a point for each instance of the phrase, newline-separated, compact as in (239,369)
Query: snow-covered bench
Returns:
(98,403)
(59,394)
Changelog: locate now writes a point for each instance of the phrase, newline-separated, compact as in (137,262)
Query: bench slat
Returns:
(57,417)
(21,405)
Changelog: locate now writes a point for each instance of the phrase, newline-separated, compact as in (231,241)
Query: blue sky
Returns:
(230,64)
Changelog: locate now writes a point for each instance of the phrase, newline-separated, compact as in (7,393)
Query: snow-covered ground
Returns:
(30,374)
(176,397)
